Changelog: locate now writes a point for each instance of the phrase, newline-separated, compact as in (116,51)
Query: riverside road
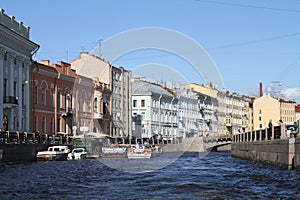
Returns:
(191,176)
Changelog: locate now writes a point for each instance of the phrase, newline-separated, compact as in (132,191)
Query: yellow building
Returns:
(267,108)
(232,117)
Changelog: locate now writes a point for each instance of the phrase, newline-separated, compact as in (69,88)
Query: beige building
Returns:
(232,114)
(118,81)
(266,108)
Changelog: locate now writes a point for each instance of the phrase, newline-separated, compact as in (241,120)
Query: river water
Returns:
(192,176)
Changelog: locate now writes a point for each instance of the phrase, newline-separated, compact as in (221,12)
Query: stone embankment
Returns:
(194,144)
(13,153)
(270,146)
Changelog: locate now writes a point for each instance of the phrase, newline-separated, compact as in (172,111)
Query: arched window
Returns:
(96,104)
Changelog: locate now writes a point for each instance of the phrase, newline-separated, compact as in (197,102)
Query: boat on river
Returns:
(53,153)
(139,151)
(77,154)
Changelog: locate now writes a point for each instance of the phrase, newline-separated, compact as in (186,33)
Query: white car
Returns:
(77,153)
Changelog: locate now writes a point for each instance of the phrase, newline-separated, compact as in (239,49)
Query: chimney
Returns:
(45,62)
(260,89)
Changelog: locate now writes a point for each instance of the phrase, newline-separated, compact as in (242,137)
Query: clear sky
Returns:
(249,41)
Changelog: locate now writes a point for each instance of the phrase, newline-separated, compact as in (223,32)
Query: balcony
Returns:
(98,115)
(10,100)
(244,125)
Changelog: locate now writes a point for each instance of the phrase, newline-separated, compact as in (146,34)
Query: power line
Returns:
(220,47)
(249,6)
(254,41)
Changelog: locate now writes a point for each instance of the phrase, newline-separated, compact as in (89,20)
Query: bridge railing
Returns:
(16,137)
(272,133)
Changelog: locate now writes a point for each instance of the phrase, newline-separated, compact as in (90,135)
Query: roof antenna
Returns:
(100,43)
(82,48)
(67,55)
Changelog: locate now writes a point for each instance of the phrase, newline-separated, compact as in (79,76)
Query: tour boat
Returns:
(137,151)
(53,153)
(77,154)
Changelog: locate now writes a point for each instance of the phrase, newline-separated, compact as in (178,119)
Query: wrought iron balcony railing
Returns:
(10,99)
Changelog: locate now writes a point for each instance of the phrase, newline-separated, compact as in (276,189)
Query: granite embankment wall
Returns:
(13,153)
(297,154)
(281,152)
(194,144)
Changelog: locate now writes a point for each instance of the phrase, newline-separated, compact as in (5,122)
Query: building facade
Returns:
(190,115)
(43,101)
(102,113)
(157,107)
(208,107)
(62,101)
(16,50)
(118,81)
(267,108)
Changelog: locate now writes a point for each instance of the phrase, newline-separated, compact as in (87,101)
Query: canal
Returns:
(191,176)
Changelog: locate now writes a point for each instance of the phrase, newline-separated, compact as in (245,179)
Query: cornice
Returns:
(47,73)
(8,34)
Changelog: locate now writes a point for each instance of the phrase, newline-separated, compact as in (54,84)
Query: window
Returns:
(259,111)
(15,88)
(259,118)
(89,103)
(58,124)
(44,97)
(36,123)
(35,95)
(260,125)
(52,125)
(66,126)
(134,103)
(5,87)
(23,98)
(44,125)
(96,105)
(52,98)
(71,99)
(104,103)
(83,104)
(143,103)
(66,100)
(58,99)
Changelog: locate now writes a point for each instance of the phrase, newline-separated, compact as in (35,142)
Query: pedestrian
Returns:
(270,123)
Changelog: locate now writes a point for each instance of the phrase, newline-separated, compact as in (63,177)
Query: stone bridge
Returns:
(212,143)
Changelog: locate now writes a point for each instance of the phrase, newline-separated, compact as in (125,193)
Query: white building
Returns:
(190,116)
(206,109)
(16,50)
(158,108)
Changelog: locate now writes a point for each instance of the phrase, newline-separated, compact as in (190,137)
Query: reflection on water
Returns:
(215,175)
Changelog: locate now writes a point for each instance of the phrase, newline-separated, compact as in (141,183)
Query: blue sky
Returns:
(249,41)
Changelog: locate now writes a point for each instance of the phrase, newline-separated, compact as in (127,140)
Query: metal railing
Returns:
(272,133)
(16,137)
(10,99)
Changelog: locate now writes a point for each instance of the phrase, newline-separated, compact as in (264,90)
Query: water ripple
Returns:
(214,176)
